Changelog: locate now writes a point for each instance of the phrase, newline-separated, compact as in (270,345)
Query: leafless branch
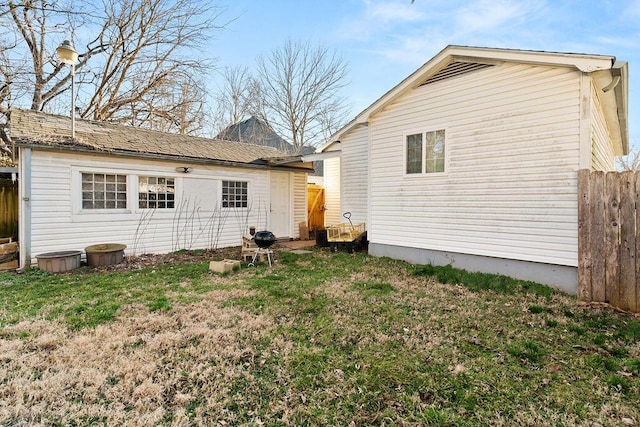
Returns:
(139,65)
(300,87)
(630,162)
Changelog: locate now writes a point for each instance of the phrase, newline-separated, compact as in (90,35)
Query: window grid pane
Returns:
(234,194)
(156,192)
(100,191)
(434,151)
(414,153)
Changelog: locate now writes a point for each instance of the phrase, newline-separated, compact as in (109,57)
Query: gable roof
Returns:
(49,131)
(254,131)
(456,60)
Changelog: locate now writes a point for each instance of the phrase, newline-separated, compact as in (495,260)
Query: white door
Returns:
(279,217)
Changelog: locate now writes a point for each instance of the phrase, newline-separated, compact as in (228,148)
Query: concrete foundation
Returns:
(564,278)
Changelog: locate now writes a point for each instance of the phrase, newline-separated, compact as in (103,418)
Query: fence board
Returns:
(597,242)
(584,237)
(637,234)
(609,239)
(8,208)
(627,280)
(612,239)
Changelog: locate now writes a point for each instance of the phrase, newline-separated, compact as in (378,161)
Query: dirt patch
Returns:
(138,262)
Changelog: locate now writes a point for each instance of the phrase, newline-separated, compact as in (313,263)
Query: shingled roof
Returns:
(255,131)
(37,129)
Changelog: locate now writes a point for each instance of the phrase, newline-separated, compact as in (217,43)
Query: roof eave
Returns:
(151,156)
(621,69)
(582,62)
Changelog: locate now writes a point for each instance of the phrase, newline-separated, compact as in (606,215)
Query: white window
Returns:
(156,192)
(104,191)
(425,152)
(234,194)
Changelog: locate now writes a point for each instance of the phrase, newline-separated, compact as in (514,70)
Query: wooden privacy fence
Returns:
(315,207)
(608,238)
(8,208)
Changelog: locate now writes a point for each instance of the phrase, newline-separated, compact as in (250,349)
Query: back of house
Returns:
(151,191)
(472,160)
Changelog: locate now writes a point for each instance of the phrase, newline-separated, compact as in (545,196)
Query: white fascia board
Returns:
(582,62)
(321,156)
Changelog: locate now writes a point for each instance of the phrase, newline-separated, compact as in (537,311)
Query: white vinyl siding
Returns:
(299,202)
(355,172)
(197,221)
(602,156)
(332,191)
(512,149)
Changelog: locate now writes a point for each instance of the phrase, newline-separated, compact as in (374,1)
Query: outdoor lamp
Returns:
(68,55)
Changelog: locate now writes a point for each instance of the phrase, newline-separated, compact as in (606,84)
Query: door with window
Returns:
(280,205)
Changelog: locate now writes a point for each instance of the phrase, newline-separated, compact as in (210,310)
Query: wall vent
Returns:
(455,69)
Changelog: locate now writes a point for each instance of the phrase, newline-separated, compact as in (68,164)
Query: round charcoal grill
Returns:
(264,240)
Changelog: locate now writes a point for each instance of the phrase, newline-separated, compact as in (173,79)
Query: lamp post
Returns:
(68,55)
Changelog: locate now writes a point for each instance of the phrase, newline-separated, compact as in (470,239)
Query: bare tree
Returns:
(299,91)
(236,96)
(28,75)
(134,70)
(144,60)
(630,162)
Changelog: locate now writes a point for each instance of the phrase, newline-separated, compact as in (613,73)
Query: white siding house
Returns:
(332,179)
(154,192)
(472,160)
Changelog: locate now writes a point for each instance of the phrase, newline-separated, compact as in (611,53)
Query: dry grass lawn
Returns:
(320,339)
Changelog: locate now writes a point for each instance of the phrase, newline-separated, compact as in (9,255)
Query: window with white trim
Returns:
(425,152)
(104,191)
(156,192)
(234,194)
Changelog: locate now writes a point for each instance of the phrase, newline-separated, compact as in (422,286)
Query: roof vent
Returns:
(455,69)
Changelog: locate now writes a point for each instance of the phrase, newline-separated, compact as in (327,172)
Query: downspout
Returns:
(24,227)
(620,85)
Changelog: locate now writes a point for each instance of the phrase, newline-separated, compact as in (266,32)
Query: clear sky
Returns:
(384,41)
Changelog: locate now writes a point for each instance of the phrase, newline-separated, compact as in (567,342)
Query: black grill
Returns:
(264,239)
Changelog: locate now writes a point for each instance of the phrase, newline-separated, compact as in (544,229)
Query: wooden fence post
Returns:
(612,238)
(596,215)
(584,236)
(627,283)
